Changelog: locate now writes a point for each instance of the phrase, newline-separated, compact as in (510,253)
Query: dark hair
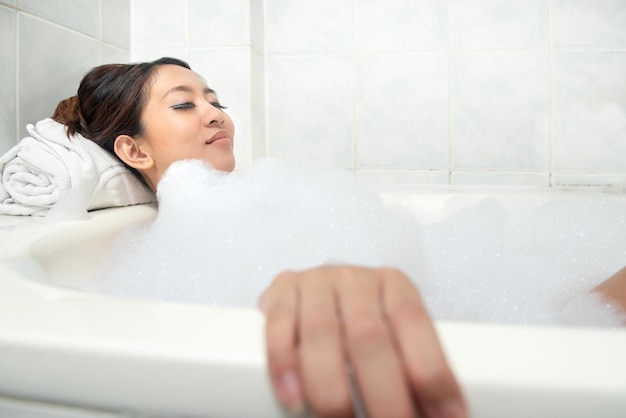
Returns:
(110,101)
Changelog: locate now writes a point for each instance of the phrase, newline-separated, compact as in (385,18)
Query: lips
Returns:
(217,136)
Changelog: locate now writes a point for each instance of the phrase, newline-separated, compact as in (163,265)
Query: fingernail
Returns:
(290,394)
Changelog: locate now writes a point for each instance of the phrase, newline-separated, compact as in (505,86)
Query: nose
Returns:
(213,115)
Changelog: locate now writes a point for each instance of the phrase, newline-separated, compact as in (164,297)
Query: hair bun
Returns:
(68,113)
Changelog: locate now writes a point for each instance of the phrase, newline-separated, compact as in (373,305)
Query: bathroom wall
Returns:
(46,46)
(494,92)
(443,92)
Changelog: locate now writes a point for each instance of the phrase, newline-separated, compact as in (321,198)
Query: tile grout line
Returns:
(354,99)
(17,75)
(550,91)
(449,53)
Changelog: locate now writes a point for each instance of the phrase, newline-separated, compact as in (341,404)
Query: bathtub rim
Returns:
(489,359)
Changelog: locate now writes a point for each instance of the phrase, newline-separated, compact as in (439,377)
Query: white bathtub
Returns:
(65,353)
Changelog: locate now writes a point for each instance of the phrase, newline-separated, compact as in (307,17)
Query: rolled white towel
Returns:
(47,170)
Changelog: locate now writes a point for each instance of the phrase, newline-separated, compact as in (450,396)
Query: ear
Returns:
(132,153)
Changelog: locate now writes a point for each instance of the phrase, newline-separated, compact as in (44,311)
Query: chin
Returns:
(227,166)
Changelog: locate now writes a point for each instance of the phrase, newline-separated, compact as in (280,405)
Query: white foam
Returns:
(529,259)
(220,239)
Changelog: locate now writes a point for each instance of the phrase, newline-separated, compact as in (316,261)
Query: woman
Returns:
(152,114)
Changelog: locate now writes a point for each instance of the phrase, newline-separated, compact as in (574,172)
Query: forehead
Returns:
(169,76)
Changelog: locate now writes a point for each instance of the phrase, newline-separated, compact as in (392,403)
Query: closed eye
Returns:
(187,105)
(218,105)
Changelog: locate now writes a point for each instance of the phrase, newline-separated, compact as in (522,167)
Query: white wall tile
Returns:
(228,72)
(116,22)
(159,24)
(403,177)
(80,15)
(49,70)
(485,24)
(143,55)
(400,25)
(257,25)
(615,182)
(500,179)
(589,115)
(310,109)
(219,23)
(584,23)
(402,110)
(8,86)
(500,111)
(257,106)
(320,26)
(110,54)
(58,42)
(12,3)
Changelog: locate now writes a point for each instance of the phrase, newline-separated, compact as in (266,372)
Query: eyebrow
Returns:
(188,89)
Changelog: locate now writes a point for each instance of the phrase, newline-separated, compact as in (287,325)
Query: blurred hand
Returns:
(614,289)
(373,320)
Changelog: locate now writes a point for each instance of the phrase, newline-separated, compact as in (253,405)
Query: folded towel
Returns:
(47,170)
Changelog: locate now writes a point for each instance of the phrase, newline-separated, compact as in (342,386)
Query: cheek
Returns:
(230,126)
(178,131)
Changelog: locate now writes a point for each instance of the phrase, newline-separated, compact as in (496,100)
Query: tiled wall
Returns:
(457,92)
(46,46)
(402,91)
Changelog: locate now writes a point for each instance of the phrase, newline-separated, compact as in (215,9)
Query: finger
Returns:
(322,356)
(280,305)
(437,391)
(370,347)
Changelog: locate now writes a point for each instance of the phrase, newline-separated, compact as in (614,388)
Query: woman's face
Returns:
(182,120)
